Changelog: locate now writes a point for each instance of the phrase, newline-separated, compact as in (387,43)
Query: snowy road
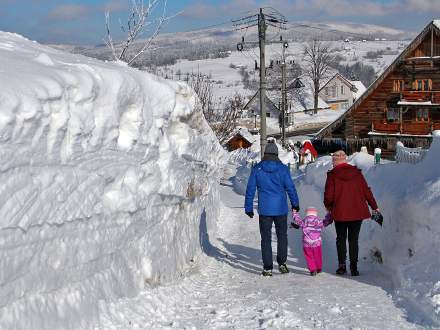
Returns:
(226,290)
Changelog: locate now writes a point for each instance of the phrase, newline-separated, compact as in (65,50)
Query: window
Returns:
(392,114)
(422,84)
(334,91)
(268,114)
(422,115)
(398,85)
(342,89)
(326,91)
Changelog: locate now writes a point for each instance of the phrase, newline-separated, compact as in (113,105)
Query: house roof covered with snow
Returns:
(360,88)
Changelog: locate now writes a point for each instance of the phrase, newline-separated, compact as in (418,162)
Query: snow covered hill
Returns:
(106,175)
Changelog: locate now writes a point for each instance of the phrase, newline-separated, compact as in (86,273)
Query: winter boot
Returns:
(267,272)
(342,270)
(354,270)
(313,273)
(283,269)
(319,271)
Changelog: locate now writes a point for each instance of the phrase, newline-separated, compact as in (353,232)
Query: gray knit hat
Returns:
(271,148)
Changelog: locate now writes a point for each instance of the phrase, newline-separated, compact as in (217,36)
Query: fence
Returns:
(409,155)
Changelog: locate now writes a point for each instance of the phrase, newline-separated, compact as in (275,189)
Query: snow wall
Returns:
(406,249)
(109,183)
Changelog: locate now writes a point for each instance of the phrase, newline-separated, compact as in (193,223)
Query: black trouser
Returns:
(266,239)
(353,228)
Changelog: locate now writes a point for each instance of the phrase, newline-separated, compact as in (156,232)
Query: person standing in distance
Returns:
(347,196)
(272,180)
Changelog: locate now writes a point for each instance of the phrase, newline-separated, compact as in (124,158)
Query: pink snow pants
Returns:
(313,257)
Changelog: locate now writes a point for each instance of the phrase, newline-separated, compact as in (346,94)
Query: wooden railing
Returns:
(416,128)
(421,96)
(411,128)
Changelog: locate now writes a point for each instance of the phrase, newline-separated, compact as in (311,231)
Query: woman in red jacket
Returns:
(347,196)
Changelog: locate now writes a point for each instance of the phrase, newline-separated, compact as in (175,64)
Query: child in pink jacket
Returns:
(311,227)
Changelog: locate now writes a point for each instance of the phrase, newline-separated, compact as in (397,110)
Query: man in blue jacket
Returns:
(272,179)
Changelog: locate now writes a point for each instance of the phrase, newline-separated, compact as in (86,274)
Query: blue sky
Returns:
(82,22)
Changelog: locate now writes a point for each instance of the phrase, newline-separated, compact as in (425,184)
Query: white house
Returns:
(300,96)
(340,93)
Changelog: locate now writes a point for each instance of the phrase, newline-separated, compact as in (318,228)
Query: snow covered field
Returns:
(227,79)
(106,174)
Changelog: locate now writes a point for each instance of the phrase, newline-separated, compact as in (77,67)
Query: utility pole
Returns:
(262,42)
(283,95)
(262,20)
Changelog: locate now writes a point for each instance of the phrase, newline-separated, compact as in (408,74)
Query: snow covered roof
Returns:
(437,23)
(360,88)
(403,102)
(245,134)
(303,100)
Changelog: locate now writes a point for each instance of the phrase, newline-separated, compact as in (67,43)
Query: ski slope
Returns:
(226,291)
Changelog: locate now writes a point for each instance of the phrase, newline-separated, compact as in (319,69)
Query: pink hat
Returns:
(311,211)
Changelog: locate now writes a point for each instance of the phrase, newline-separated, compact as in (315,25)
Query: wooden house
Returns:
(403,104)
(240,139)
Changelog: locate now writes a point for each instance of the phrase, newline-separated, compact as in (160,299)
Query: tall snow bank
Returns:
(406,248)
(109,183)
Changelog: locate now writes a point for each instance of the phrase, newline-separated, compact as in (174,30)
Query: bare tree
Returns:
(203,87)
(318,59)
(226,121)
(222,120)
(139,23)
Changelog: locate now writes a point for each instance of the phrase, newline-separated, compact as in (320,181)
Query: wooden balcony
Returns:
(407,127)
(416,128)
(420,96)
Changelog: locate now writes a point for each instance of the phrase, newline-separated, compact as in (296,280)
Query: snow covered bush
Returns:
(109,183)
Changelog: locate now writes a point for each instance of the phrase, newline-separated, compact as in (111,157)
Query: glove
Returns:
(250,214)
(296,208)
(294,225)
(378,217)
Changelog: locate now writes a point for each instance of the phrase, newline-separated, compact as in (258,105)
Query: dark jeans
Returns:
(266,239)
(353,228)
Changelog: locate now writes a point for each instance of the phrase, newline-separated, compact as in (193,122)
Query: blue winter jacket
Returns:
(273,180)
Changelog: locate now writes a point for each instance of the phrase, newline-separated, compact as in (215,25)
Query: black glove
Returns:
(296,208)
(378,217)
(294,225)
(250,214)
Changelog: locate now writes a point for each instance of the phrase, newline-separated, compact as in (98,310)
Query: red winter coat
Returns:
(347,194)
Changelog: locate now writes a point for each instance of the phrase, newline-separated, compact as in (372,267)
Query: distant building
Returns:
(240,139)
(271,104)
(300,96)
(340,93)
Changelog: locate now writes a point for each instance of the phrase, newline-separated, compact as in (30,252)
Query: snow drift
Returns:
(406,247)
(109,183)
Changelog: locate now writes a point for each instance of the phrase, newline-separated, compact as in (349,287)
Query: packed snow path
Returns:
(226,290)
